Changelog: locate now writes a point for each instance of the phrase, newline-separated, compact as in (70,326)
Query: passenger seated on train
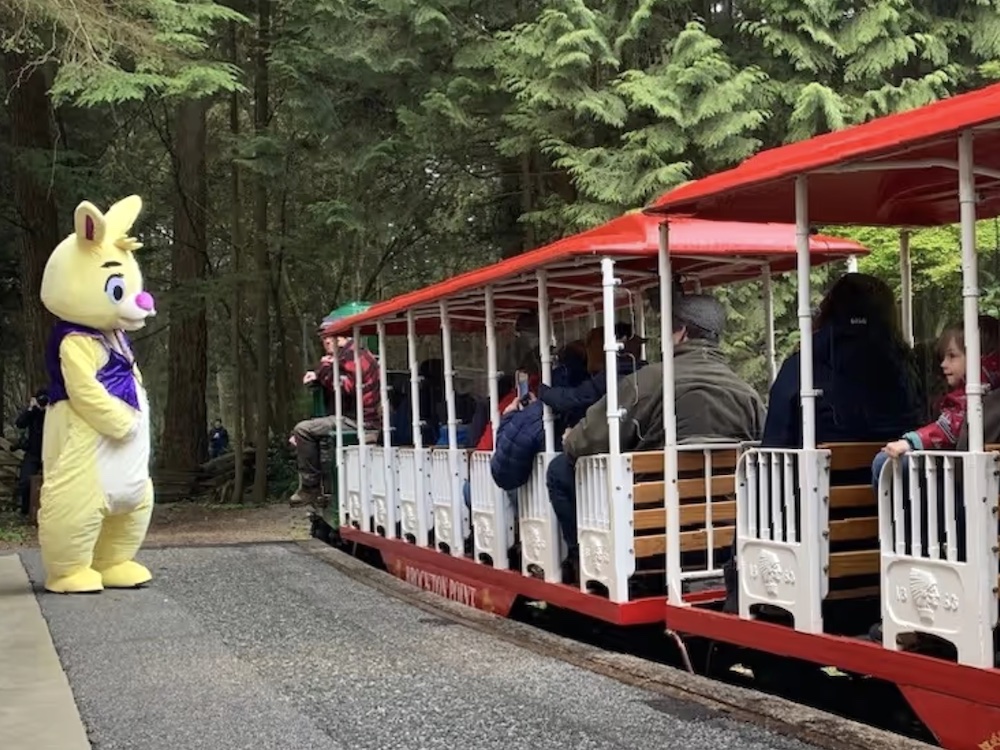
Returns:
(521,433)
(711,401)
(521,436)
(863,369)
(308,433)
(430,394)
(943,433)
(571,402)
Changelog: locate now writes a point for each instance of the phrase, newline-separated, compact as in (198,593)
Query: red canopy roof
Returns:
(712,252)
(858,176)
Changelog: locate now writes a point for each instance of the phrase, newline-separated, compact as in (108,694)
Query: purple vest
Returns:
(116,376)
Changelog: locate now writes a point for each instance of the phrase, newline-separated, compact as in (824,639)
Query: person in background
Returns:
(307,434)
(32,421)
(218,439)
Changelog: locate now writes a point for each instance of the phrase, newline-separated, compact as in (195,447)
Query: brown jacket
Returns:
(712,403)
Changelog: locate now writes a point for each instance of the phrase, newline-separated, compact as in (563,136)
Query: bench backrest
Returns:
(706,485)
(853,520)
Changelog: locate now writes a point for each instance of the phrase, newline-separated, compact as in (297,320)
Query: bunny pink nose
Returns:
(144,300)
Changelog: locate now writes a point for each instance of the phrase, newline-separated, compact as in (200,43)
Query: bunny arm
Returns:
(81,357)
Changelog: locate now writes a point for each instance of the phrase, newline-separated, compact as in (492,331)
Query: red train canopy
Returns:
(708,251)
(898,170)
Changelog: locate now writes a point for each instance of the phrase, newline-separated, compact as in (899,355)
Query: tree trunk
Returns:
(262,322)
(32,144)
(236,228)
(185,432)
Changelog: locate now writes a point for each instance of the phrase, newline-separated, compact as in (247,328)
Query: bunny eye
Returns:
(114,287)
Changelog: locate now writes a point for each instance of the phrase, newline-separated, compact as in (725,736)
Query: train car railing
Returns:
(619,527)
(353,481)
(541,541)
(449,472)
(782,506)
(383,490)
(938,556)
(413,483)
(493,516)
(604,525)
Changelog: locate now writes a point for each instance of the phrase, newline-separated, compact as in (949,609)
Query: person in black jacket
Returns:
(32,420)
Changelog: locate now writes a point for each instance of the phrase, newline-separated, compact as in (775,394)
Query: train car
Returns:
(411,497)
(818,560)
(936,556)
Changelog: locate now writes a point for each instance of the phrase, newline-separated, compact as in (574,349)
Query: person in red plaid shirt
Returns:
(308,433)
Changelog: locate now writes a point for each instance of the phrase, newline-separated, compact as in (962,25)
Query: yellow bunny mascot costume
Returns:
(97,496)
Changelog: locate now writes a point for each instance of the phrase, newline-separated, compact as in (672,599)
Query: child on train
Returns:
(943,432)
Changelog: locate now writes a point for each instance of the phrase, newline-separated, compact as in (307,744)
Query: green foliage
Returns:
(408,140)
(125,52)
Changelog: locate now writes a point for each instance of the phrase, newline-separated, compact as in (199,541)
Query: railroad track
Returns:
(650,663)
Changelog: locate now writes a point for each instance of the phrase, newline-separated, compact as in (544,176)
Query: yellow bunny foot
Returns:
(83,581)
(125,575)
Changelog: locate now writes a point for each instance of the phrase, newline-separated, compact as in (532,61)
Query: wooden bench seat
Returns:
(703,495)
(853,520)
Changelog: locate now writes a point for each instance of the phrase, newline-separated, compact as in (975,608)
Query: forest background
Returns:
(294,155)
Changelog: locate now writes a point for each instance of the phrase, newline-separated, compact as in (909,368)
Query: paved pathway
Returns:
(264,646)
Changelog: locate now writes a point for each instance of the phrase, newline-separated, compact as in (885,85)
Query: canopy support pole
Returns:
(639,308)
(807,391)
(491,364)
(772,361)
(675,593)
(338,411)
(411,355)
(390,476)
(906,285)
(545,352)
(970,290)
(359,410)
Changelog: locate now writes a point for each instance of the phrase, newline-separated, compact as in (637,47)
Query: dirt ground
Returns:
(192,523)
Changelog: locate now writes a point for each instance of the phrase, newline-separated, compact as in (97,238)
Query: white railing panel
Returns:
(541,542)
(782,512)
(604,525)
(413,487)
(938,529)
(382,489)
(352,466)
(493,515)
(449,470)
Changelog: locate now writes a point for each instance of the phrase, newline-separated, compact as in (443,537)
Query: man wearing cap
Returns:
(308,434)
(711,401)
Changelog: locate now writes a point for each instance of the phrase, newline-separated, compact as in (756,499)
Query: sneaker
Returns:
(304,496)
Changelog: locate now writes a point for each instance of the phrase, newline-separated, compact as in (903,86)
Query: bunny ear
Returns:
(89,224)
(122,215)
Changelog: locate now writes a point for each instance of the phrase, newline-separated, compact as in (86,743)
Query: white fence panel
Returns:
(938,529)
(352,467)
(493,515)
(449,470)
(604,525)
(542,548)
(782,512)
(382,484)
(413,483)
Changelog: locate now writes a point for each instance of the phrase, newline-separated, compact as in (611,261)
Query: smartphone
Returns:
(522,386)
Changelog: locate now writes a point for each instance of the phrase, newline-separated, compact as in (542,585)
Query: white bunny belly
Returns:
(123,465)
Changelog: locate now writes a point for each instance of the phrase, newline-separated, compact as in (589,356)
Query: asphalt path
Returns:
(266,646)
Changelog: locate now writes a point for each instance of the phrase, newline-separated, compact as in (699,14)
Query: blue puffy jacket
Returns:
(520,438)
